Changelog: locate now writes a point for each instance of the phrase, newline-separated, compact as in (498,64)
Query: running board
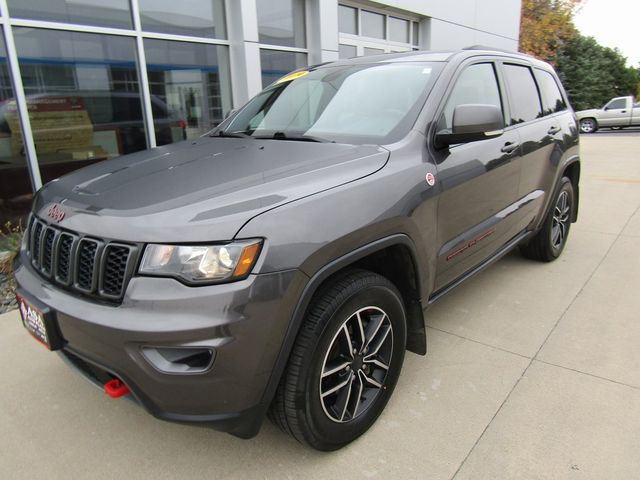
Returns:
(497,256)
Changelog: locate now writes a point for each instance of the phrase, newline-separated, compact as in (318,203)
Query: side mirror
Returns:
(471,123)
(231,113)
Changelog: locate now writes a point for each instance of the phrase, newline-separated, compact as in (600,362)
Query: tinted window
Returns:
(552,100)
(525,102)
(617,104)
(476,85)
(398,30)
(372,24)
(347,19)
(347,51)
(186,17)
(281,22)
(108,13)
(69,82)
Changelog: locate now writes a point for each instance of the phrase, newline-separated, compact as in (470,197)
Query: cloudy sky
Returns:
(613,23)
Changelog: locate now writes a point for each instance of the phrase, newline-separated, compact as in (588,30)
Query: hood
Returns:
(592,112)
(202,190)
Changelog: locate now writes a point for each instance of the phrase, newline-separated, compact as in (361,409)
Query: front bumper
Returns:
(243,322)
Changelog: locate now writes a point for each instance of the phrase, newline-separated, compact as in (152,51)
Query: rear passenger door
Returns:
(538,134)
(479,180)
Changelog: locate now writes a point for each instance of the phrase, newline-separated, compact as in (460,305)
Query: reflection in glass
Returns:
(15,183)
(372,24)
(372,51)
(281,22)
(275,64)
(190,88)
(347,20)
(398,30)
(185,17)
(104,13)
(82,95)
(347,51)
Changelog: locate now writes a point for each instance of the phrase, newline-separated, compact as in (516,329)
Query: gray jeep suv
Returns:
(283,263)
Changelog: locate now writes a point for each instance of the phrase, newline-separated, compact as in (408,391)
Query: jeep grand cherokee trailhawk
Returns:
(282,263)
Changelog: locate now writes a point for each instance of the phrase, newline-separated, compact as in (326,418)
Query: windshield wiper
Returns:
(222,133)
(294,138)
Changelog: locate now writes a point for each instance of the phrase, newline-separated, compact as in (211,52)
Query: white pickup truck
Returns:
(619,112)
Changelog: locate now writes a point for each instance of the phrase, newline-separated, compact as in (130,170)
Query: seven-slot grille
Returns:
(90,266)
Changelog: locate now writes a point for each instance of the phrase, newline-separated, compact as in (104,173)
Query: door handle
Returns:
(509,147)
(623,111)
(553,130)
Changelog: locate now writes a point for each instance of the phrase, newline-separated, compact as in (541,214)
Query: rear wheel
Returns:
(549,242)
(345,362)
(588,125)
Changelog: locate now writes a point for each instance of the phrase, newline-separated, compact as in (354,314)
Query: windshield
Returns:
(359,104)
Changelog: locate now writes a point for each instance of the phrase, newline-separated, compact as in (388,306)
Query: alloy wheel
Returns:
(587,125)
(561,220)
(356,364)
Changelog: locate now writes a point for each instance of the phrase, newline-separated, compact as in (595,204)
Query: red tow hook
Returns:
(115,388)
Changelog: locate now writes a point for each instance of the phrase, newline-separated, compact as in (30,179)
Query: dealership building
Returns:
(86,80)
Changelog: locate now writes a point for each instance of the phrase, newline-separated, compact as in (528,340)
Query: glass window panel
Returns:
(398,30)
(524,99)
(104,13)
(552,100)
(372,51)
(185,17)
(15,182)
(347,19)
(275,64)
(281,22)
(347,51)
(82,95)
(372,24)
(416,33)
(476,85)
(190,88)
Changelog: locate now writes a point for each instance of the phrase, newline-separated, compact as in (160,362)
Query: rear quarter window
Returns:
(552,100)
(523,94)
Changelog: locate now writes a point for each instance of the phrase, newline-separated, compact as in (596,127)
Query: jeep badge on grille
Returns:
(56,213)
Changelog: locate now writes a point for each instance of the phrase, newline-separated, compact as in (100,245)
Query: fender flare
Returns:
(310,289)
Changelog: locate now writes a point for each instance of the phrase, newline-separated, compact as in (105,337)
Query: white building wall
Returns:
(461,23)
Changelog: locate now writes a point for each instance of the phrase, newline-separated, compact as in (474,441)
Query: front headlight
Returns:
(201,263)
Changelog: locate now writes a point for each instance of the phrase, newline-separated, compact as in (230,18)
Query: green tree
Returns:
(593,74)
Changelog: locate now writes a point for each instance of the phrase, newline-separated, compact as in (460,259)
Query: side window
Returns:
(552,100)
(617,104)
(524,98)
(477,84)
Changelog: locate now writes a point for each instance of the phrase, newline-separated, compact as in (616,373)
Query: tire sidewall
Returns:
(324,428)
(566,186)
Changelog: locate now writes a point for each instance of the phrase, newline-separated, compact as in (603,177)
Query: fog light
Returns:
(180,360)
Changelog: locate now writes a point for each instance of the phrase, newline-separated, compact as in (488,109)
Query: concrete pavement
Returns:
(533,371)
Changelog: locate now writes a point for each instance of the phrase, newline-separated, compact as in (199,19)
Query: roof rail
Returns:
(484,47)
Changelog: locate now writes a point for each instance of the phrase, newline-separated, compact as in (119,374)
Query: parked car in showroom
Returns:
(282,264)
(619,112)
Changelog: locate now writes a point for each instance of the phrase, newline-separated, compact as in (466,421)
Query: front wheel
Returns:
(549,242)
(345,362)
(588,125)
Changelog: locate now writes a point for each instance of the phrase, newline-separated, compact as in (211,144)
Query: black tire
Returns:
(546,246)
(588,125)
(298,408)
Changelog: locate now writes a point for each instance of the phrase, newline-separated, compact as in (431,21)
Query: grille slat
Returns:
(63,264)
(85,264)
(115,269)
(49,237)
(88,266)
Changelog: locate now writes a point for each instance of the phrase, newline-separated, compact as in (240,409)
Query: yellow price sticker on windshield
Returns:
(293,76)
